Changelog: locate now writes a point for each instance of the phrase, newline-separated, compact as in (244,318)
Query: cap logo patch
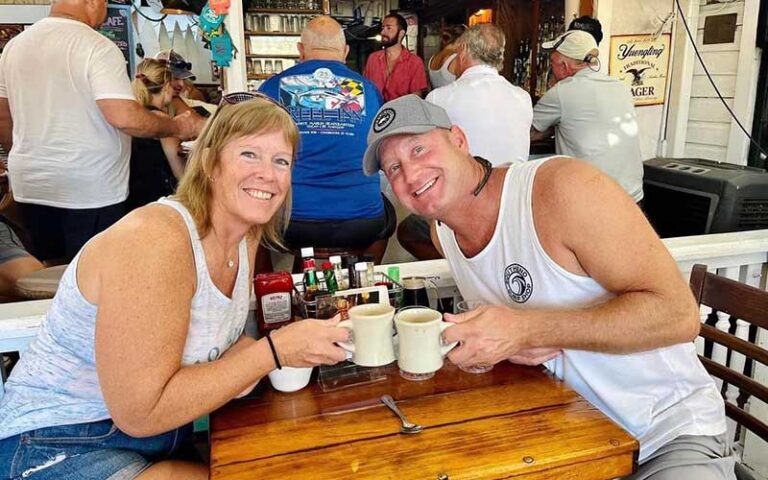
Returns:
(383,119)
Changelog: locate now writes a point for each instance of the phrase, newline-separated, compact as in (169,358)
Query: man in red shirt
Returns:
(395,70)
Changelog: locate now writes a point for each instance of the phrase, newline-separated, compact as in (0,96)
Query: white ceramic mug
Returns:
(421,350)
(371,326)
(290,379)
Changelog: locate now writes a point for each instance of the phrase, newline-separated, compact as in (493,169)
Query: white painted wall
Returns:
(629,17)
(23,13)
(709,123)
(697,124)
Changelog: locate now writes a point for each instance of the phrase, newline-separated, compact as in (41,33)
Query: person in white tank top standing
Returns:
(571,276)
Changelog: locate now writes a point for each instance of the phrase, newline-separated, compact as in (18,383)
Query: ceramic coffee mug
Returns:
(290,379)
(421,350)
(371,327)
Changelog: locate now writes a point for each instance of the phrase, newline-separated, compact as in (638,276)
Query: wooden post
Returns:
(586,7)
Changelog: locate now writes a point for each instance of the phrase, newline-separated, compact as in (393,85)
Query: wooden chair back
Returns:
(750,305)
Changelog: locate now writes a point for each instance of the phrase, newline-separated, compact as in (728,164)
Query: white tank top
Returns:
(56,383)
(442,76)
(216,321)
(656,395)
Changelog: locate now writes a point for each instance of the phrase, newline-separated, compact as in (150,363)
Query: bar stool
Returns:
(41,284)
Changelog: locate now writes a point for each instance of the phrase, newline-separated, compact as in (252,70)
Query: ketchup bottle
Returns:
(273,297)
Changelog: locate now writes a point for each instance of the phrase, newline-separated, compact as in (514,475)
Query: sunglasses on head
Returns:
(180,65)
(239,97)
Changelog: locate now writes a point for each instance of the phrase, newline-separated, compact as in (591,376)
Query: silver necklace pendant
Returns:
(230,263)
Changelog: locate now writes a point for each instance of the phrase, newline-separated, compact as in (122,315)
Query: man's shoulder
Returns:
(413,59)
(374,56)
(441,95)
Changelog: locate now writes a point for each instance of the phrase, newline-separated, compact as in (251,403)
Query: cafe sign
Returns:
(642,62)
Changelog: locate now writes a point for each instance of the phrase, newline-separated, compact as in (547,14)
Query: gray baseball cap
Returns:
(407,114)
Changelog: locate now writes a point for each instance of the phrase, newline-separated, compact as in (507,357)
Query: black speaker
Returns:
(762,25)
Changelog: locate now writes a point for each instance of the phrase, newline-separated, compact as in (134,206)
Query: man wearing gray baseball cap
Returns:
(571,276)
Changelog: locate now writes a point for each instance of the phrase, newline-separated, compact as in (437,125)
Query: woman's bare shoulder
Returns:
(149,245)
(154,232)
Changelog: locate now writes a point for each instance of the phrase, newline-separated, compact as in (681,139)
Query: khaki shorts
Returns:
(689,457)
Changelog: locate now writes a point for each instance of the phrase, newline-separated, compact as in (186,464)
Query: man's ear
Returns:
(400,37)
(346,51)
(300,46)
(459,138)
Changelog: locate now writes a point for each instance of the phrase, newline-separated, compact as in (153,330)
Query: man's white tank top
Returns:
(656,395)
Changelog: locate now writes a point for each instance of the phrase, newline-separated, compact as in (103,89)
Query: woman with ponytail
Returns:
(155,163)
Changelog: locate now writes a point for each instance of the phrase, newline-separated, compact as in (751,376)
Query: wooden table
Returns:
(514,422)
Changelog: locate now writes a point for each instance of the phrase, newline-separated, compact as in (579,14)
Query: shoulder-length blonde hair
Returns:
(151,77)
(251,117)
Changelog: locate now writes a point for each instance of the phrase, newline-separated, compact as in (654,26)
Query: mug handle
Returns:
(348,346)
(446,348)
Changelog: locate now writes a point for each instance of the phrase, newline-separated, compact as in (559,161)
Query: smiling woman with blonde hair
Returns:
(145,332)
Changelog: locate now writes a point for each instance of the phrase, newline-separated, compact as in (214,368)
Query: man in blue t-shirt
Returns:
(334,203)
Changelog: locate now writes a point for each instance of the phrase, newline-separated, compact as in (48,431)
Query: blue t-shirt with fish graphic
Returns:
(333,107)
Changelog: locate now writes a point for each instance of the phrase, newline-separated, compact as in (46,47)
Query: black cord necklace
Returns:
(487,170)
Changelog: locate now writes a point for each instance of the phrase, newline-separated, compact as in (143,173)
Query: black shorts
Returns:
(59,233)
(348,234)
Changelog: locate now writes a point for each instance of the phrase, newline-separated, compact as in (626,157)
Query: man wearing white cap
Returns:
(593,114)
(570,275)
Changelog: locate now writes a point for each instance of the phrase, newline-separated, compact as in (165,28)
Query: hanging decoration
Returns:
(222,49)
(219,7)
(216,35)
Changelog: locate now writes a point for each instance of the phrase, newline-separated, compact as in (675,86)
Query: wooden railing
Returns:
(742,256)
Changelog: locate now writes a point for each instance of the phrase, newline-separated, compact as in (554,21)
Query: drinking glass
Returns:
(268,68)
(467,306)
(278,66)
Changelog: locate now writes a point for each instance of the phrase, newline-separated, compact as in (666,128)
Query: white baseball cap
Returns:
(575,44)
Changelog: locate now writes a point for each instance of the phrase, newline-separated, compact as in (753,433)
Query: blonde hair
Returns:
(151,76)
(251,117)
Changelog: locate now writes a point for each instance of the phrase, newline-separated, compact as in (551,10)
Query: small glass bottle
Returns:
(311,284)
(341,281)
(369,260)
(321,281)
(332,285)
(361,275)
(349,262)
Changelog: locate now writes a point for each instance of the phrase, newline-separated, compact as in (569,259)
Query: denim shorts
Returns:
(97,450)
